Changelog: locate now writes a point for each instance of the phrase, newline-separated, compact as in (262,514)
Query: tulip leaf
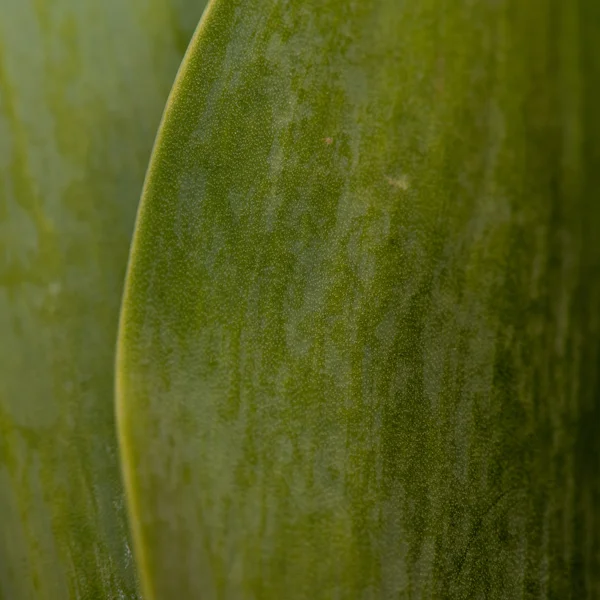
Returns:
(82,87)
(360,335)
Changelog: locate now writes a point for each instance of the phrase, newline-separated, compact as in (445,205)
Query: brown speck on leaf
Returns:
(328,141)
(402,182)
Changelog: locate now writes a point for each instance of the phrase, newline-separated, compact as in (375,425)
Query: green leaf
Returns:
(82,87)
(360,331)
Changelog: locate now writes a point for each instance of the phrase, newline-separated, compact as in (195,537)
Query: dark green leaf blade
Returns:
(360,332)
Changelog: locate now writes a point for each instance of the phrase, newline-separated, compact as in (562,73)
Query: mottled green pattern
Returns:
(359,346)
(82,87)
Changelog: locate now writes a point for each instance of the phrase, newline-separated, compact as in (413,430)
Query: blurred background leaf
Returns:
(82,87)
(359,352)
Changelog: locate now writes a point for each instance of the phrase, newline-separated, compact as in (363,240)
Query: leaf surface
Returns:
(359,343)
(82,87)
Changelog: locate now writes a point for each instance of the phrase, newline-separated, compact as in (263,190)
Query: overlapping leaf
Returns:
(82,87)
